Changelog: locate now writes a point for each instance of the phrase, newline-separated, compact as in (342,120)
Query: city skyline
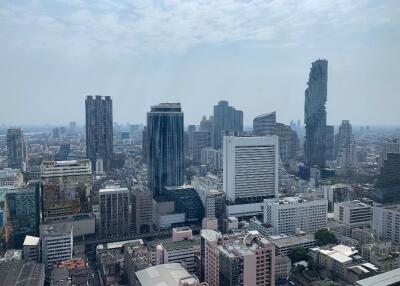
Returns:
(56,54)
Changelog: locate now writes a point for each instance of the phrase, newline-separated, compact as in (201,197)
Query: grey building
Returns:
(166,149)
(330,143)
(265,124)
(206,124)
(191,129)
(315,114)
(388,184)
(200,139)
(142,210)
(99,130)
(226,121)
(16,151)
(344,137)
(114,211)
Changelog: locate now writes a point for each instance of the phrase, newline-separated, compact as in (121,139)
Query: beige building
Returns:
(245,259)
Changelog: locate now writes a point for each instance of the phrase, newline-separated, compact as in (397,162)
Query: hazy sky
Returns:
(255,54)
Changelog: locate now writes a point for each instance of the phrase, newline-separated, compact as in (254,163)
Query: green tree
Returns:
(298,254)
(324,237)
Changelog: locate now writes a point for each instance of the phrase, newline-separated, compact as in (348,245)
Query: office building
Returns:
(166,150)
(245,259)
(265,124)
(212,197)
(315,114)
(353,213)
(206,124)
(187,201)
(330,143)
(386,222)
(388,184)
(287,142)
(114,211)
(66,188)
(211,158)
(12,178)
(250,168)
(57,244)
(200,139)
(16,148)
(191,129)
(31,248)
(336,194)
(142,210)
(22,214)
(99,130)
(167,251)
(288,215)
(226,121)
(389,146)
(346,152)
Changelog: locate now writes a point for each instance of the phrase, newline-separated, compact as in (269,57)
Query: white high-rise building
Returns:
(250,168)
(386,222)
(289,214)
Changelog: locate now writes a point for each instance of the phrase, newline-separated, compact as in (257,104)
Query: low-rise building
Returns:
(284,244)
(171,274)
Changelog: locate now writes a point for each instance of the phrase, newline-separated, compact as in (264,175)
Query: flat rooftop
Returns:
(164,275)
(31,240)
(385,279)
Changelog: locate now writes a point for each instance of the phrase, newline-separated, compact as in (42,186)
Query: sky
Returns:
(255,54)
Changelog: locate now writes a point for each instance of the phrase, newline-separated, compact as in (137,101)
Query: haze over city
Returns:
(255,54)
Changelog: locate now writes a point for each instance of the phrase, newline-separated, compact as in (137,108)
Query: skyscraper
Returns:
(250,168)
(166,150)
(265,124)
(345,147)
(16,151)
(315,114)
(388,184)
(330,143)
(201,139)
(114,211)
(206,124)
(226,120)
(99,130)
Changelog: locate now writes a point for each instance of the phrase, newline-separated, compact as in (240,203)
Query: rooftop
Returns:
(166,107)
(31,240)
(384,279)
(164,275)
(55,229)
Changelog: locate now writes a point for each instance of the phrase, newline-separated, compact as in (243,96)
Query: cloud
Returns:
(116,27)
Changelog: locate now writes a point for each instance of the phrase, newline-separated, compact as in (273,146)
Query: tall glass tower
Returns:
(226,121)
(166,150)
(315,114)
(99,130)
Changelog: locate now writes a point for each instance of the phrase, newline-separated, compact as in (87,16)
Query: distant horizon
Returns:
(255,54)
